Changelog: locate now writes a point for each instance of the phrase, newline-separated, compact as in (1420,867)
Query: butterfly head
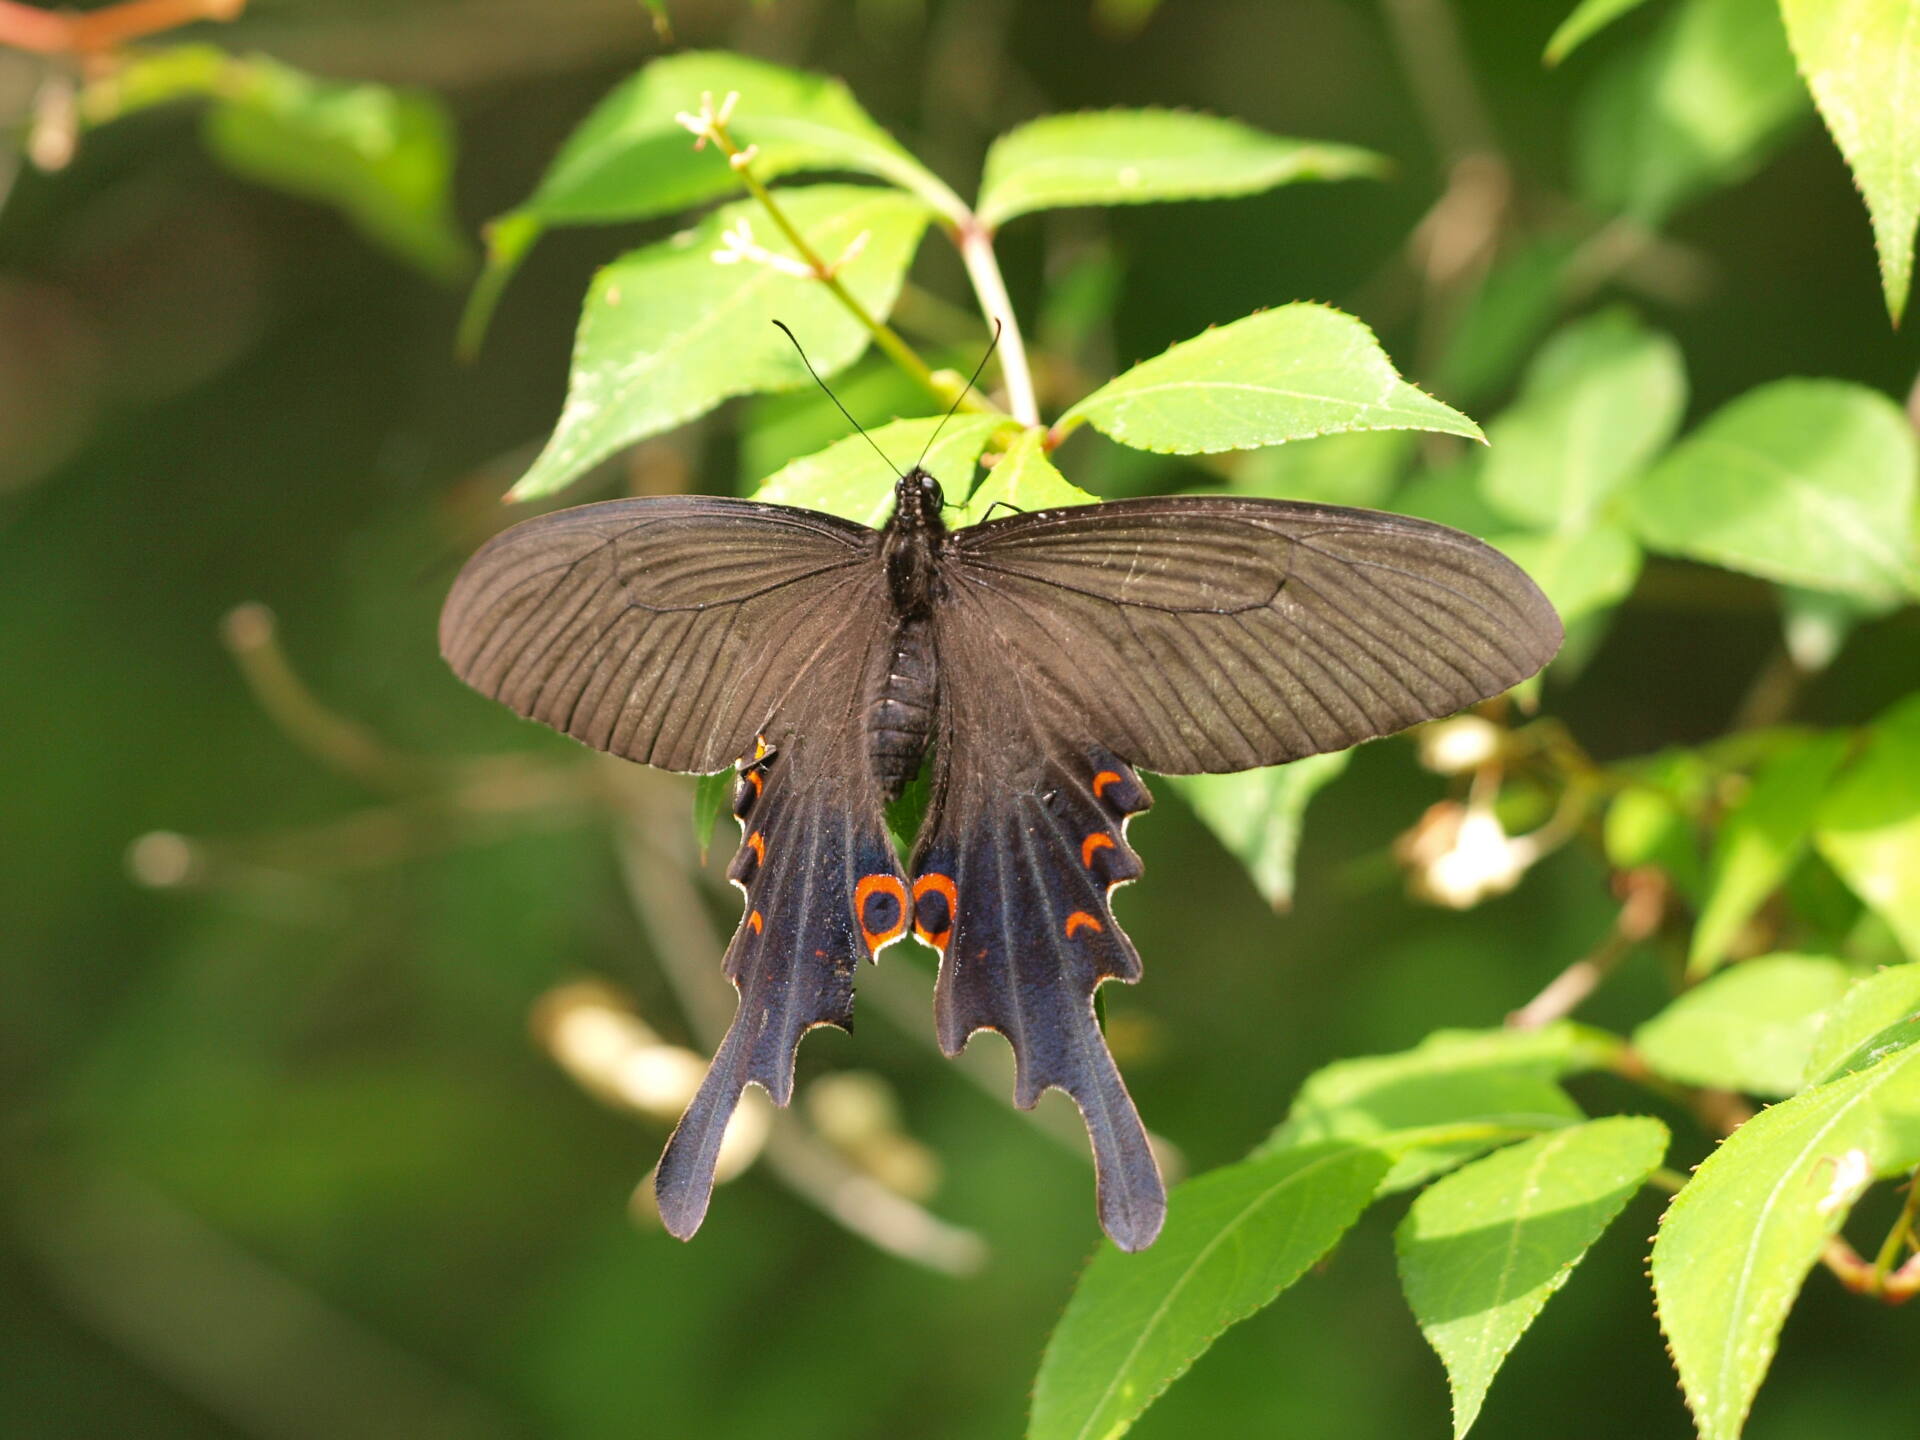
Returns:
(917,502)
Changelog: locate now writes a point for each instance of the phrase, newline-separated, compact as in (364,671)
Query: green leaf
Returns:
(1647,826)
(848,480)
(1851,1034)
(630,159)
(1749,1028)
(1582,571)
(1869,827)
(667,334)
(1603,397)
(1483,1249)
(1738,1241)
(1257,815)
(1234,1239)
(1760,841)
(1023,480)
(1497,1085)
(1589,17)
(1360,467)
(1284,374)
(1861,60)
(1512,307)
(1697,108)
(1808,482)
(382,157)
(1130,157)
(711,794)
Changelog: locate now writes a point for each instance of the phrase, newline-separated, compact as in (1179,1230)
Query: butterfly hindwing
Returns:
(822,890)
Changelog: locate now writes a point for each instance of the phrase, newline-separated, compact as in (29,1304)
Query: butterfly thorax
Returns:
(903,688)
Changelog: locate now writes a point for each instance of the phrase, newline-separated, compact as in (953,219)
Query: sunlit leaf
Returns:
(1234,1239)
(1602,398)
(1491,1086)
(1860,1023)
(1284,374)
(1024,480)
(1869,827)
(1808,482)
(1511,308)
(1759,842)
(1583,571)
(1483,1249)
(1861,60)
(1257,815)
(1588,18)
(666,333)
(1698,107)
(1738,1241)
(1130,157)
(847,479)
(1749,1028)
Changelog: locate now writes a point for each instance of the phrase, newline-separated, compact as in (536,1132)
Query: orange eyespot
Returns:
(1081,920)
(1104,779)
(933,919)
(757,843)
(756,922)
(883,925)
(1093,842)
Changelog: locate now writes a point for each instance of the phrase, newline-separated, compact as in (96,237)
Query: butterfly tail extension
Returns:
(1012,887)
(822,889)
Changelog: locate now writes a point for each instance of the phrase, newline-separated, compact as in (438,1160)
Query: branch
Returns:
(53,32)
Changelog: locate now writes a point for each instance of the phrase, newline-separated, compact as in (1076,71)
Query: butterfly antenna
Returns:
(965,391)
(841,408)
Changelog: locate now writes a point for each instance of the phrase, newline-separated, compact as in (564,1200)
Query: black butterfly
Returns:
(1041,657)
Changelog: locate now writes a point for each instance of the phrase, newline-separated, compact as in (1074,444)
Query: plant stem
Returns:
(884,335)
(51,32)
(975,243)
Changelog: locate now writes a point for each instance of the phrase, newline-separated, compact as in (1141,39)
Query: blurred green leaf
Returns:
(848,480)
(1602,398)
(381,156)
(1760,840)
(1483,1249)
(1587,19)
(1501,1082)
(711,795)
(781,427)
(1807,482)
(1737,1242)
(1647,826)
(666,333)
(1869,826)
(1861,60)
(1852,1029)
(1235,1238)
(1359,467)
(1131,157)
(1698,107)
(1509,311)
(1749,1028)
(1285,374)
(1583,571)
(1023,480)
(1257,815)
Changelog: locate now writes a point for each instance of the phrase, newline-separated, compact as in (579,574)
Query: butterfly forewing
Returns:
(663,630)
(1208,634)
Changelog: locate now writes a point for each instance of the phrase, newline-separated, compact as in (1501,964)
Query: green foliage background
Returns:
(280,1157)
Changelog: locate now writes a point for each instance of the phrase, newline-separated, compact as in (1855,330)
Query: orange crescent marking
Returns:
(943,885)
(862,892)
(1081,920)
(755,921)
(757,843)
(759,785)
(1093,842)
(1104,779)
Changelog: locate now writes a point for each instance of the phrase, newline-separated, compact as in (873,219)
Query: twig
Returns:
(975,243)
(1643,906)
(54,32)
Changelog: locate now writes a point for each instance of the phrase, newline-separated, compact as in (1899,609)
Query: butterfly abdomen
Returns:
(902,694)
